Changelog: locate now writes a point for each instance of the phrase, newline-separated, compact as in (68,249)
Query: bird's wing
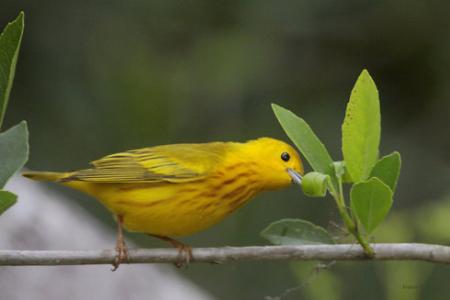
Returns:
(169,163)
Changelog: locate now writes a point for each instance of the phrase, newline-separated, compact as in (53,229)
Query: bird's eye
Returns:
(285,156)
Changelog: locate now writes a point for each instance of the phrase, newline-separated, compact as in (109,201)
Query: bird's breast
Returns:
(178,209)
(230,187)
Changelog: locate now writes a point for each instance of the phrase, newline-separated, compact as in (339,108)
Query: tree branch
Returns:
(353,252)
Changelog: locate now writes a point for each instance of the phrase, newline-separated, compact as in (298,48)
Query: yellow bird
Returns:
(176,190)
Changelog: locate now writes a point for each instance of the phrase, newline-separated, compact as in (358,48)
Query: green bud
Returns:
(341,171)
(315,184)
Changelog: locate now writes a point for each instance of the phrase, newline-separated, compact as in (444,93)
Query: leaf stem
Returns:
(350,223)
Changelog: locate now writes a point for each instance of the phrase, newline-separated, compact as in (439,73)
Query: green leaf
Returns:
(370,202)
(296,232)
(10,41)
(7,199)
(361,128)
(315,184)
(388,169)
(13,151)
(304,138)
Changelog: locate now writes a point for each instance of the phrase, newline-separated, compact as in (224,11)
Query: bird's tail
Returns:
(61,177)
(45,176)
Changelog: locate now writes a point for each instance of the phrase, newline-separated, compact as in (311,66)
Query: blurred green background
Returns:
(95,77)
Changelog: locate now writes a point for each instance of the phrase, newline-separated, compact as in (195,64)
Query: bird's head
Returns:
(278,164)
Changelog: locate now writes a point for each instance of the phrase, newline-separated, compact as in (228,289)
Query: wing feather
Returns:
(169,163)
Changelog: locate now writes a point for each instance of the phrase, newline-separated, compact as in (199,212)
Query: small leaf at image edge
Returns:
(10,40)
(7,199)
(13,151)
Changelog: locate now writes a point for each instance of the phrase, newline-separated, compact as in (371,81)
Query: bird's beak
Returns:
(296,177)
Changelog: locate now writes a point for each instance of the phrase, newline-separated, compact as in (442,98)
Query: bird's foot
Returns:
(184,255)
(121,256)
(121,247)
(184,251)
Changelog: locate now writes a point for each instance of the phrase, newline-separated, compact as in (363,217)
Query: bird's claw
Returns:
(121,256)
(184,255)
